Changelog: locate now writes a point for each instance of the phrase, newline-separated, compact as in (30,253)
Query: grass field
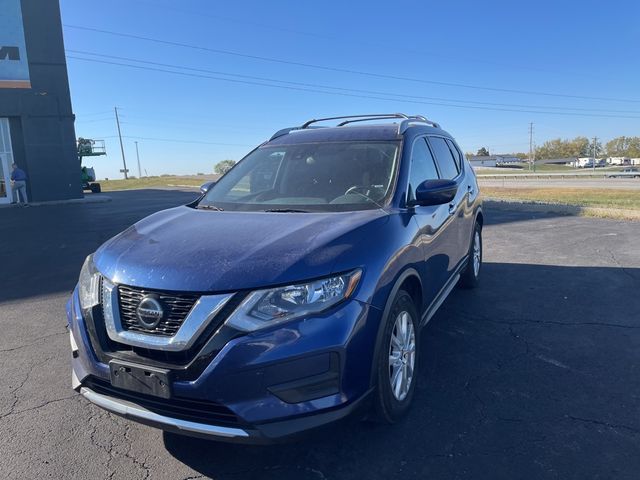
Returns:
(155,182)
(586,197)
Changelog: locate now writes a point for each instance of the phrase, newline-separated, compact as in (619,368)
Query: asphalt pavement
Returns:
(535,374)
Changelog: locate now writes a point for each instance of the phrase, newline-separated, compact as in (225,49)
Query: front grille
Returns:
(201,411)
(176,308)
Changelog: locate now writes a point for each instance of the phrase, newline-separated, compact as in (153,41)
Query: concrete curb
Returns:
(560,209)
(183,186)
(93,198)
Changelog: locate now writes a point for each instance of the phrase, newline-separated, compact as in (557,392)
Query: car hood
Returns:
(184,249)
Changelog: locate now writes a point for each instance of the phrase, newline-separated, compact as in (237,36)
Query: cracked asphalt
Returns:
(535,374)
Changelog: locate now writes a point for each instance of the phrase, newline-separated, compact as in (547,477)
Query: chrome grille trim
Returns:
(178,306)
(200,316)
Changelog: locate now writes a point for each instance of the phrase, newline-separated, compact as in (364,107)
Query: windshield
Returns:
(319,177)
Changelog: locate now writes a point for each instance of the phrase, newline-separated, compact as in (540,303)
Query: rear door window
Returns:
(444,158)
(456,154)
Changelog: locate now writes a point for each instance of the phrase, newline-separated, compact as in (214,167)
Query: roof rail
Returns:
(372,116)
(282,131)
(415,119)
(407,120)
(367,119)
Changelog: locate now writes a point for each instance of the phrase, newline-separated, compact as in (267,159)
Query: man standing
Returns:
(19,184)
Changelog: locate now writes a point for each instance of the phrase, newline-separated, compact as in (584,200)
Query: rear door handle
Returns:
(452,208)
(470,190)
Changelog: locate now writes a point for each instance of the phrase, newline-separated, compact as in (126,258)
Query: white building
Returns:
(482,161)
(618,160)
(492,160)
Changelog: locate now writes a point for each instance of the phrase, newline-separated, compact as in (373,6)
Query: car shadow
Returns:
(528,376)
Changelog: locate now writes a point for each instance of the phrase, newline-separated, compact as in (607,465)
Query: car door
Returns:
(436,231)
(450,170)
(469,189)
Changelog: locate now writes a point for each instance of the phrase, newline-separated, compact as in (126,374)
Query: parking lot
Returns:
(536,374)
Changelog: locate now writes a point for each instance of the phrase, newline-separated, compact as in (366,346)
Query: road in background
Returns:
(534,374)
(512,181)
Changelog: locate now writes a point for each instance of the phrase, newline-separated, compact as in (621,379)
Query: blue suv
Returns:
(291,293)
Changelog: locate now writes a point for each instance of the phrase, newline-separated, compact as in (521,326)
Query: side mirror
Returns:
(205,187)
(435,192)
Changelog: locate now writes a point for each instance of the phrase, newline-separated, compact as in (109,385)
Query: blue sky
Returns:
(186,124)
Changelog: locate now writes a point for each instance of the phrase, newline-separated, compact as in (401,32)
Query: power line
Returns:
(93,120)
(372,92)
(173,140)
(377,44)
(344,94)
(341,70)
(104,112)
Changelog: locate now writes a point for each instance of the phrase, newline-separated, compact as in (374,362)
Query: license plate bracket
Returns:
(141,379)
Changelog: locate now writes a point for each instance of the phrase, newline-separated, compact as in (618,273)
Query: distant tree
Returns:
(583,146)
(559,148)
(483,152)
(224,166)
(624,147)
(468,154)
(599,149)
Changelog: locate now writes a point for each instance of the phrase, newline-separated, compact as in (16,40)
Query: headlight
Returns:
(265,308)
(88,285)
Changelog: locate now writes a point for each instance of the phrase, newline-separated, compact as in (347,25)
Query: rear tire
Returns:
(95,188)
(470,277)
(398,359)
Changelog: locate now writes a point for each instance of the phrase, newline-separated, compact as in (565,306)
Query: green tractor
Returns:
(90,148)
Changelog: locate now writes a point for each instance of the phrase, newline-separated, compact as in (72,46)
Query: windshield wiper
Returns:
(368,198)
(286,210)
(209,207)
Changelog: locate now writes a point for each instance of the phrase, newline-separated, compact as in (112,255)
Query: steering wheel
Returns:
(362,188)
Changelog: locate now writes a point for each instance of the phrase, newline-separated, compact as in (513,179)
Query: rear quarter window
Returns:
(447,164)
(456,154)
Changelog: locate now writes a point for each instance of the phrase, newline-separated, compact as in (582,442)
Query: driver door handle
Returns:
(452,208)
(470,190)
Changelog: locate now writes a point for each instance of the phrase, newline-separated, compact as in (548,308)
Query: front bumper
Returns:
(261,434)
(258,378)
(142,415)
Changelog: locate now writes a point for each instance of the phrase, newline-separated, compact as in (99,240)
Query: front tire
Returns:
(397,361)
(470,277)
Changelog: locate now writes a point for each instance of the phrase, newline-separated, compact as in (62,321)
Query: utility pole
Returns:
(595,144)
(531,160)
(138,156)
(124,162)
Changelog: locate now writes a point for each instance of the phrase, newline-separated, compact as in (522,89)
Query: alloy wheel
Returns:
(477,253)
(402,355)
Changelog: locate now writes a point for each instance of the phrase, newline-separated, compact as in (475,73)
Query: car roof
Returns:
(377,132)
